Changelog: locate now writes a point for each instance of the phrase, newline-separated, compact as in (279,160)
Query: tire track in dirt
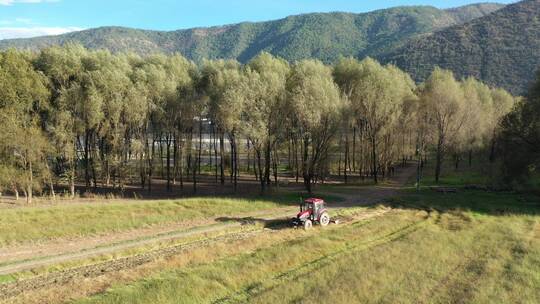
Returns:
(46,258)
(13,289)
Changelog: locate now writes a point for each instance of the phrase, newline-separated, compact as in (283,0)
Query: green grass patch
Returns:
(476,201)
(31,224)
(452,177)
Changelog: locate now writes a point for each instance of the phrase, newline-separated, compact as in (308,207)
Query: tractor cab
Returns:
(312,206)
(312,210)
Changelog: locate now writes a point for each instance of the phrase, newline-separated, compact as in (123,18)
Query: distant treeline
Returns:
(70,115)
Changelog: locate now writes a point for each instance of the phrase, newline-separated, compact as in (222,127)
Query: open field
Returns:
(488,254)
(408,247)
(34,224)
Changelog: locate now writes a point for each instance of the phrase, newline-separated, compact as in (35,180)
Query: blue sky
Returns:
(27,18)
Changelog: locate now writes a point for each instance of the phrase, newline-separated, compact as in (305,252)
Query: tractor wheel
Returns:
(325,219)
(308,224)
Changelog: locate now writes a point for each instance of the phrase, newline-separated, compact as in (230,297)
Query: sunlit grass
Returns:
(29,224)
(475,246)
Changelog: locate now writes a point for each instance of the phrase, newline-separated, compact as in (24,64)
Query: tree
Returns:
(502,104)
(63,68)
(520,137)
(347,74)
(23,101)
(376,94)
(264,108)
(314,100)
(221,81)
(445,107)
(71,115)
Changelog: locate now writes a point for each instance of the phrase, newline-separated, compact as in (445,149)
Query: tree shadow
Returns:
(476,201)
(273,224)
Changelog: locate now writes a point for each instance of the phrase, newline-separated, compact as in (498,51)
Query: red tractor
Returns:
(312,210)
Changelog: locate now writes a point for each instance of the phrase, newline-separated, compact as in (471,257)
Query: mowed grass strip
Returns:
(487,253)
(235,276)
(23,225)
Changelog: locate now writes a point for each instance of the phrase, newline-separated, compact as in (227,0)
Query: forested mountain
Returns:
(325,36)
(502,49)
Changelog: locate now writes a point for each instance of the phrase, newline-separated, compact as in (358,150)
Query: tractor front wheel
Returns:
(325,219)
(308,224)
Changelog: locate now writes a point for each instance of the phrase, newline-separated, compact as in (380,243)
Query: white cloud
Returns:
(17,22)
(11,2)
(24,20)
(28,32)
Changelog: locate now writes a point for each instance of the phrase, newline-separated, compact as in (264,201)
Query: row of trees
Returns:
(70,115)
(520,138)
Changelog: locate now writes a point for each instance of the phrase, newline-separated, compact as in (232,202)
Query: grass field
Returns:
(467,247)
(30,224)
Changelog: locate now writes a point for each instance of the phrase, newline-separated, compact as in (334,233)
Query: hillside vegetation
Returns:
(501,49)
(324,36)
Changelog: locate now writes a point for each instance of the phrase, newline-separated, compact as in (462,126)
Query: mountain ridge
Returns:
(495,43)
(292,37)
(501,48)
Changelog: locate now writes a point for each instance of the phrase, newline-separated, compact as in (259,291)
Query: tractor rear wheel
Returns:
(308,224)
(325,219)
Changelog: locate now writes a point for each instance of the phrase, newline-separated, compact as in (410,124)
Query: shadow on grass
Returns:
(475,201)
(274,224)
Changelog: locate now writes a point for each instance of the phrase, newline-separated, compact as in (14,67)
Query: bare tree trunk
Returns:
(175,157)
(30,182)
(267,162)
(362,157)
(215,151)
(51,182)
(259,162)
(340,156)
(107,173)
(296,163)
(289,154)
(354,150)
(93,162)
(222,161)
(151,164)
(161,156)
(231,145)
(192,160)
(306,169)
(168,141)
(374,159)
(181,162)
(200,146)
(439,157)
(235,161)
(276,164)
(72,179)
(86,159)
(248,157)
(346,165)
(492,151)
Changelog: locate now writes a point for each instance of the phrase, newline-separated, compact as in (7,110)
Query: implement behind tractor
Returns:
(312,210)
